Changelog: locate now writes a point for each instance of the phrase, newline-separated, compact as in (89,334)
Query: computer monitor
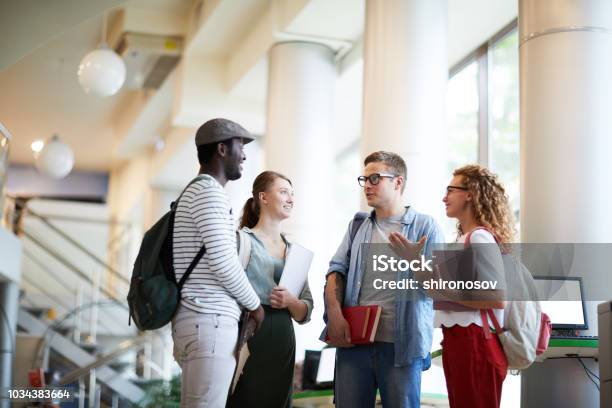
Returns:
(309,369)
(327,366)
(318,369)
(564,302)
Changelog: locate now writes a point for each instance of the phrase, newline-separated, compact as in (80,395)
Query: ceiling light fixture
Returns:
(159,144)
(55,159)
(37,146)
(102,72)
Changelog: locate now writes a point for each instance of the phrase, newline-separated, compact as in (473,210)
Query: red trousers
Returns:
(474,367)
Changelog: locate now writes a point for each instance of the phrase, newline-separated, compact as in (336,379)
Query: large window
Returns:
(504,114)
(483,112)
(347,192)
(462,114)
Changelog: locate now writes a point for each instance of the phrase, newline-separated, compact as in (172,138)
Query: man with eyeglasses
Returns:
(400,352)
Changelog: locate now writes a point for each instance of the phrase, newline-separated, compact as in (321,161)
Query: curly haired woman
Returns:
(474,362)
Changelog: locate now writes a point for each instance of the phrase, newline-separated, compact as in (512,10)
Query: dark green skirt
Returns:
(267,379)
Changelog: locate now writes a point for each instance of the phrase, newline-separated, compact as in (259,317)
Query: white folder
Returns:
(297,265)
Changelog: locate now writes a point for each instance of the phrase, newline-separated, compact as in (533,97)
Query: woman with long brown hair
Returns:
(267,377)
(474,362)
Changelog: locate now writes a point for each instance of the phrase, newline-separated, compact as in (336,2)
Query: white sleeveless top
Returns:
(465,318)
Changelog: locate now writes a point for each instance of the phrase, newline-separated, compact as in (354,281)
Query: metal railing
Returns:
(16,217)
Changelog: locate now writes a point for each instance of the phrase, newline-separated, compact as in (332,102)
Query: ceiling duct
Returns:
(149,58)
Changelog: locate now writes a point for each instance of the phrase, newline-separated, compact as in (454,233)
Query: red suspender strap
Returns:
(484,312)
(498,328)
(485,324)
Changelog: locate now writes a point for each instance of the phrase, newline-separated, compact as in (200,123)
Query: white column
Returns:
(566,135)
(297,141)
(404,97)
(566,155)
(298,144)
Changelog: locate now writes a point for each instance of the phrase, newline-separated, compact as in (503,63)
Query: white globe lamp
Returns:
(55,159)
(101,72)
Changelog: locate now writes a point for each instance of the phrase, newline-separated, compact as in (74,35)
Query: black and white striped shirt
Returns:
(218,283)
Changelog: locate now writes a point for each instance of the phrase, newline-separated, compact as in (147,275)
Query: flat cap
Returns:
(218,130)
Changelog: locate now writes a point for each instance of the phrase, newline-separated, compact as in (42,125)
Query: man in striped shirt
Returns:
(205,327)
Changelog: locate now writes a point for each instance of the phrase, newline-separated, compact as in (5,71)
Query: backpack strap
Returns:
(201,252)
(358,219)
(192,266)
(243,241)
(498,328)
(174,204)
(485,323)
(468,238)
(485,312)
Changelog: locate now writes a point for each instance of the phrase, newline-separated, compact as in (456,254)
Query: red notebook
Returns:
(363,321)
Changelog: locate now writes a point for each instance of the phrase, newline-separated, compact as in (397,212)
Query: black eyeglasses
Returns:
(374,178)
(450,189)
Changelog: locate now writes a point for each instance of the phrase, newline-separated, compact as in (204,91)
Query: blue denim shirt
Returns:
(413,308)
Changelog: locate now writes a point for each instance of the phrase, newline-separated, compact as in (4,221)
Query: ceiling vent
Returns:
(149,59)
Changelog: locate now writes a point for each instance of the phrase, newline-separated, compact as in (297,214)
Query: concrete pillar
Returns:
(566,138)
(298,144)
(300,99)
(566,145)
(404,95)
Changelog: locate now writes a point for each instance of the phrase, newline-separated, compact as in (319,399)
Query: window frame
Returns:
(482,55)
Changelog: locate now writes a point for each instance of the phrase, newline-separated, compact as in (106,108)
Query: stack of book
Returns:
(363,321)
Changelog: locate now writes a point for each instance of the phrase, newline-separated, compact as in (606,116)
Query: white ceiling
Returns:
(229,23)
(472,22)
(173,6)
(41,96)
(27,25)
(341,19)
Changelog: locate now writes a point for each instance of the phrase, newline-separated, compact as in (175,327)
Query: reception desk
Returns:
(558,379)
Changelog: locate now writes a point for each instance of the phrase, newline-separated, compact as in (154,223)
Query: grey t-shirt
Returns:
(381,229)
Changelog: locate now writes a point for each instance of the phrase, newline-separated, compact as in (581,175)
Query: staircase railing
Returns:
(16,217)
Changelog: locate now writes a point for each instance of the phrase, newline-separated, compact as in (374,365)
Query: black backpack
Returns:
(154,294)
